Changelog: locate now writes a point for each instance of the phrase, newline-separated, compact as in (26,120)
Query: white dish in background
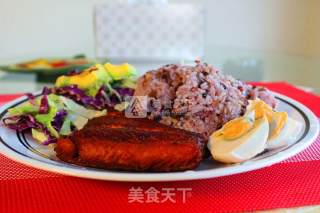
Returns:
(22,148)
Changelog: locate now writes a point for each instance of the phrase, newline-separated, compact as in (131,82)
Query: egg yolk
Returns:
(261,109)
(235,128)
(257,109)
(279,120)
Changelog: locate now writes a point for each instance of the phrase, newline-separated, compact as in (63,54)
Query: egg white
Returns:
(241,149)
(288,133)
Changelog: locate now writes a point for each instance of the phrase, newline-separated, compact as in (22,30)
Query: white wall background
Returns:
(283,34)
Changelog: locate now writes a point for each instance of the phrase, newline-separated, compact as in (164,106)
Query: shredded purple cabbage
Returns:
(46,91)
(59,119)
(26,122)
(100,101)
(31,98)
(123,92)
(44,105)
(21,122)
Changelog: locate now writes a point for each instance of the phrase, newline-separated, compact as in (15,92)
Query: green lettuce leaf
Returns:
(55,104)
(66,127)
(80,110)
(25,108)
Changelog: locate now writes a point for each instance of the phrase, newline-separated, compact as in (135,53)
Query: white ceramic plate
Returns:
(22,148)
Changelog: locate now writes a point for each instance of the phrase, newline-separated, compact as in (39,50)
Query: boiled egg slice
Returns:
(283,130)
(239,139)
(261,109)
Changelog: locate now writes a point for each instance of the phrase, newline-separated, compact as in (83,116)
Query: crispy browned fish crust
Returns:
(117,142)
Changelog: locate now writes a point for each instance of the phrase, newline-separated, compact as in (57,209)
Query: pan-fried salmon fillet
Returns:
(133,144)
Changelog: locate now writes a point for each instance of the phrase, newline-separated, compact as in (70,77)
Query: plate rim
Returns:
(57,70)
(172,176)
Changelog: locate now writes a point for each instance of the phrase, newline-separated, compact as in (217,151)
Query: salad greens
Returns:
(62,116)
(75,99)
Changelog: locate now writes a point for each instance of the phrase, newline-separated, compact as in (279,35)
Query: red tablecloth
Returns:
(295,182)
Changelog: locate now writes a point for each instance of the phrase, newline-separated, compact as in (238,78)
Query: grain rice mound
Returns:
(196,98)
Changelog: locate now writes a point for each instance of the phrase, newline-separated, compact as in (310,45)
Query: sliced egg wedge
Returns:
(239,139)
(283,130)
(261,109)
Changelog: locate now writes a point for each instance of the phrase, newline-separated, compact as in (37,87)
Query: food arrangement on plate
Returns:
(191,113)
(43,63)
(51,63)
(48,69)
